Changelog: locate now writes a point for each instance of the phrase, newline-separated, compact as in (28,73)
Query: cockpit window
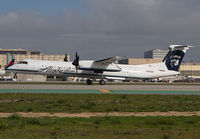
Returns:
(22,62)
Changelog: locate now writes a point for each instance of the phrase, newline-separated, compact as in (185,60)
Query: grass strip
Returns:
(76,103)
(101,127)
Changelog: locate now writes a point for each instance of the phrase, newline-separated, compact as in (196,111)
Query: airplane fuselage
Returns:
(90,70)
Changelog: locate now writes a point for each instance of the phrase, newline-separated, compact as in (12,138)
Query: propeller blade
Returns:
(76,62)
(76,55)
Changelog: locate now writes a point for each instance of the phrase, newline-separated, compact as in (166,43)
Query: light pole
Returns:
(191,71)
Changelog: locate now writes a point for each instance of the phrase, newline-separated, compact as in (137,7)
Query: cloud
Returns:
(107,28)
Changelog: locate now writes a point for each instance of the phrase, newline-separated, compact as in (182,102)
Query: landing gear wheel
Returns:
(15,76)
(102,82)
(89,82)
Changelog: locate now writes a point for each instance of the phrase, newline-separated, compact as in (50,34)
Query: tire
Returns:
(102,82)
(89,82)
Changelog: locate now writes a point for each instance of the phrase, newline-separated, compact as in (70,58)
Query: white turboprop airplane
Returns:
(104,69)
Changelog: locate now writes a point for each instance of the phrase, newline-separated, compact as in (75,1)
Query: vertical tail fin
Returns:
(175,56)
(10,64)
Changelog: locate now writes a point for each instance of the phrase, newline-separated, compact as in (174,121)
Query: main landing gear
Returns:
(89,82)
(15,76)
(101,82)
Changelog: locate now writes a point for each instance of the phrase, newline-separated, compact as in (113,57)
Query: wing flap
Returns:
(115,78)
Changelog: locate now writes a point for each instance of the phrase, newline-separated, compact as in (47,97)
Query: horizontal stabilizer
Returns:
(184,48)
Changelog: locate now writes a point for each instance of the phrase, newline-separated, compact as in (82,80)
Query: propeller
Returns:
(76,62)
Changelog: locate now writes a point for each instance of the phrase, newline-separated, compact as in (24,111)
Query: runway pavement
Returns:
(98,89)
(105,87)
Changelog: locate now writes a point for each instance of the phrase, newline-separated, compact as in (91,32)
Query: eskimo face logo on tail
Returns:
(174,59)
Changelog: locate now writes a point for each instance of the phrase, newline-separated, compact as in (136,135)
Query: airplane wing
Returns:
(99,66)
(107,61)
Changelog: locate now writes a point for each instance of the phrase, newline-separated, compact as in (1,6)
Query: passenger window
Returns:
(22,62)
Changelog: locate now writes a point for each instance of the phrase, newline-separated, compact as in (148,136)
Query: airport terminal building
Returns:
(155,54)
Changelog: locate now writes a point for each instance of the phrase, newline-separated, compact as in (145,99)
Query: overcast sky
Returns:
(100,28)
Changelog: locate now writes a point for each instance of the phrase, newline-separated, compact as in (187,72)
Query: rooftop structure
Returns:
(155,54)
(13,51)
